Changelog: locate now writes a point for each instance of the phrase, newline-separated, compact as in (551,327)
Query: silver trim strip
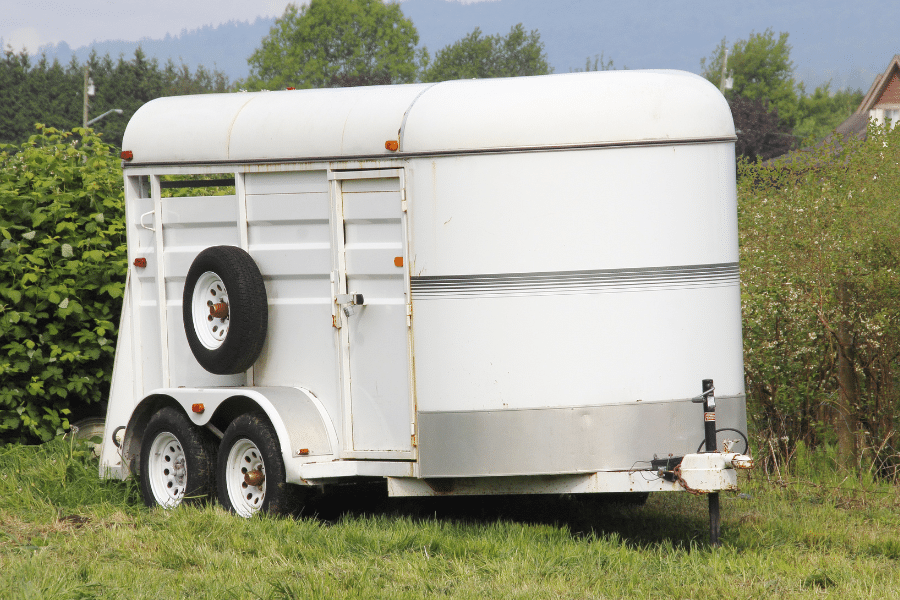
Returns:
(574,282)
(560,440)
(382,156)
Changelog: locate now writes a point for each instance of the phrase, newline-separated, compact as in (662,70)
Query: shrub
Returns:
(62,277)
(820,276)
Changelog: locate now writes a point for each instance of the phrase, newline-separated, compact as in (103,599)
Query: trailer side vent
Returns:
(197,186)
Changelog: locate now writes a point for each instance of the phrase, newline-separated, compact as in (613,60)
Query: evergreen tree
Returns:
(53,94)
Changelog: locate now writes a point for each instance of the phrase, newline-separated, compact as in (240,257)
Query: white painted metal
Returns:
(510,346)
(161,298)
(374,335)
(713,471)
(567,241)
(243,457)
(557,110)
(167,466)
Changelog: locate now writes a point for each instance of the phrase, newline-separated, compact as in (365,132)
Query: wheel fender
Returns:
(305,431)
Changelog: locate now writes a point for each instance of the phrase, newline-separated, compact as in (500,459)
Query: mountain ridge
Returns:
(840,46)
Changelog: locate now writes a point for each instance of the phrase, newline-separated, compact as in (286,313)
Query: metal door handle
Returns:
(149,212)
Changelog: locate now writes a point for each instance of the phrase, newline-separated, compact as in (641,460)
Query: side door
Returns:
(371,312)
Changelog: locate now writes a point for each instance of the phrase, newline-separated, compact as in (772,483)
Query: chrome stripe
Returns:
(381,156)
(549,441)
(574,282)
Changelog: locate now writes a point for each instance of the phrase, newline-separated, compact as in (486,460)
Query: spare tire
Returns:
(225,310)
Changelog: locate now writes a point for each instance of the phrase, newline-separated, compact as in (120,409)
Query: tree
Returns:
(478,56)
(334,43)
(49,93)
(760,136)
(763,76)
(762,70)
(600,64)
(820,112)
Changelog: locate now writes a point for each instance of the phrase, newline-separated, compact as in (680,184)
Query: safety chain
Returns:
(678,478)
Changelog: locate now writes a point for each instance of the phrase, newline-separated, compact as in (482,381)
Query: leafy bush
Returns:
(820,276)
(62,277)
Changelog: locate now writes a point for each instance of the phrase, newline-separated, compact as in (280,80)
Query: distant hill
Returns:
(225,47)
(831,39)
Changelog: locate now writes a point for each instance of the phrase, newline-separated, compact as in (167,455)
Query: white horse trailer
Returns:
(502,286)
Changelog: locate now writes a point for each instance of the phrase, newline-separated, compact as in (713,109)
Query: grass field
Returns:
(66,534)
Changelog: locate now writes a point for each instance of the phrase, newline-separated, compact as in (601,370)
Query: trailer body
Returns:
(471,287)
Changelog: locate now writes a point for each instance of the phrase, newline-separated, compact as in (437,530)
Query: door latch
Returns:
(348,301)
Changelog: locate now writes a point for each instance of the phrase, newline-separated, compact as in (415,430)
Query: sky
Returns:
(845,42)
(33,23)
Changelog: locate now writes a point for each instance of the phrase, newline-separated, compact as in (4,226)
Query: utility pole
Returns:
(88,91)
(722,82)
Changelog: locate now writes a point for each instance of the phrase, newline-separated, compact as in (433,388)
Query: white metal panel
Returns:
(290,182)
(566,109)
(468,115)
(536,334)
(579,349)
(376,334)
(290,240)
(278,124)
(592,209)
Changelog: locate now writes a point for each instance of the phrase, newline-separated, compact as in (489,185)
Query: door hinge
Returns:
(403,204)
(409,314)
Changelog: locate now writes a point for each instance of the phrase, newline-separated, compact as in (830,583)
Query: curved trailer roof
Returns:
(474,115)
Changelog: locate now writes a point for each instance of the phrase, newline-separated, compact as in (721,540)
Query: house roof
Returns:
(881,85)
(885,87)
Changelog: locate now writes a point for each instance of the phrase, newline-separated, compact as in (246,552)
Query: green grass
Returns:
(66,534)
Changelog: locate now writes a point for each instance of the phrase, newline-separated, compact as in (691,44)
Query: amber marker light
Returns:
(127,155)
(198,408)
(392,145)
(398,261)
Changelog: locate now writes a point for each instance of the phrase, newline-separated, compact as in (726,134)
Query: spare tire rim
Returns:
(167,470)
(244,457)
(210,321)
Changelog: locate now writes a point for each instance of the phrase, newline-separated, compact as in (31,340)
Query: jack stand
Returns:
(709,424)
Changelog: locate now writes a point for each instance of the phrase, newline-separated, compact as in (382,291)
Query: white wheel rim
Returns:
(167,470)
(208,291)
(244,456)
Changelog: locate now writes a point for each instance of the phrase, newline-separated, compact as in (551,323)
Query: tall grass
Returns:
(66,534)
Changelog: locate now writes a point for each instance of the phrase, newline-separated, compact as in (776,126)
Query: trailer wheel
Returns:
(225,310)
(250,473)
(177,461)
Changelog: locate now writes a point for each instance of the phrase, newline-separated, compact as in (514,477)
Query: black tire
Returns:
(177,461)
(247,317)
(251,444)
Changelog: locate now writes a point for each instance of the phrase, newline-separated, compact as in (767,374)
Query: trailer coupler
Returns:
(710,472)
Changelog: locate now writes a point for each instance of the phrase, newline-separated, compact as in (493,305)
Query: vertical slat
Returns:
(240,192)
(407,266)
(339,286)
(156,195)
(134,191)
